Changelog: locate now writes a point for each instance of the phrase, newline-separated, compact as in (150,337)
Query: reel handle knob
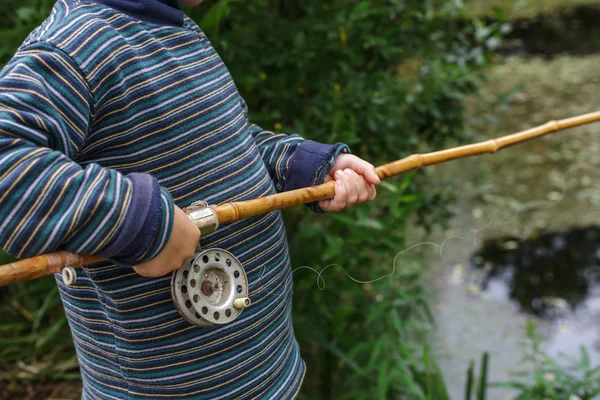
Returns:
(241,302)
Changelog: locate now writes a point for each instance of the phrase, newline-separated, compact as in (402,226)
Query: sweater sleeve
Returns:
(293,162)
(49,201)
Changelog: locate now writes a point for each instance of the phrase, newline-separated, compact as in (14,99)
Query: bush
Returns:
(388,78)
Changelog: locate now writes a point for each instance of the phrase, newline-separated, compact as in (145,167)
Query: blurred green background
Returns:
(389,78)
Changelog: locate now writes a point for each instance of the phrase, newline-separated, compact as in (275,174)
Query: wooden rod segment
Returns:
(43,265)
(230,212)
(417,161)
(47,264)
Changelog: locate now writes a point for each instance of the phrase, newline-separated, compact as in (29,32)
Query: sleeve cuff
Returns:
(310,163)
(147,227)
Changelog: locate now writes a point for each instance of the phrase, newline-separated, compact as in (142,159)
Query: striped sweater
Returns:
(108,119)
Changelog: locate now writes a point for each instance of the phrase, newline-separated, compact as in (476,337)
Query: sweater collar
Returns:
(163,12)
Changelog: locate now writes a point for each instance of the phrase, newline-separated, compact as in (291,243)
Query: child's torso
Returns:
(165,104)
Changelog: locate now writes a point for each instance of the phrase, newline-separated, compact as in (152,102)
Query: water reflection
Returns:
(548,276)
(560,34)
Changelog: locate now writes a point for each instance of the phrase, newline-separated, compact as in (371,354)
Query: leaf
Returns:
(470,380)
(370,223)
(213,18)
(482,387)
(50,300)
(585,362)
(383,379)
(389,186)
(334,349)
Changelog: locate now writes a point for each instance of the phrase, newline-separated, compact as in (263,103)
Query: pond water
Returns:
(561,32)
(551,276)
(525,239)
(490,279)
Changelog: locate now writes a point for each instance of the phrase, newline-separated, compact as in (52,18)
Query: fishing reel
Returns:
(210,288)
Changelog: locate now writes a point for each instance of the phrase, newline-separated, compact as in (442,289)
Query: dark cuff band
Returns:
(310,163)
(141,225)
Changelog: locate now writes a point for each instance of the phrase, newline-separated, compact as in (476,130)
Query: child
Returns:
(113,115)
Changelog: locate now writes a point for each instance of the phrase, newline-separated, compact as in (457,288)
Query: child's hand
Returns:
(181,246)
(355,183)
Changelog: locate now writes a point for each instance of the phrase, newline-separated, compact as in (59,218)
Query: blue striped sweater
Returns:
(107,119)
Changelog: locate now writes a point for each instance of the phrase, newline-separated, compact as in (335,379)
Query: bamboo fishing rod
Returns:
(47,264)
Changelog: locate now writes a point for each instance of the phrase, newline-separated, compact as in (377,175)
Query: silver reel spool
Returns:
(211,288)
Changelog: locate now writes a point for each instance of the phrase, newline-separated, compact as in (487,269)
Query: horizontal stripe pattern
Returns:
(93,96)
(50,200)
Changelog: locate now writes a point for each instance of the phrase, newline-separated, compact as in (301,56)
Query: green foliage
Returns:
(388,78)
(482,388)
(482,385)
(381,77)
(5,258)
(431,379)
(545,378)
(523,9)
(17,19)
(35,342)
(549,378)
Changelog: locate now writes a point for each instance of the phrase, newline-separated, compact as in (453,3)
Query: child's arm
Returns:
(295,163)
(47,200)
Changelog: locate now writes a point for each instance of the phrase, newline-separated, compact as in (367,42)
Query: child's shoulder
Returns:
(104,42)
(82,27)
(65,21)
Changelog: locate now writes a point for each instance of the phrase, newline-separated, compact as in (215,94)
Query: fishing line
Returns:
(533,205)
(320,281)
